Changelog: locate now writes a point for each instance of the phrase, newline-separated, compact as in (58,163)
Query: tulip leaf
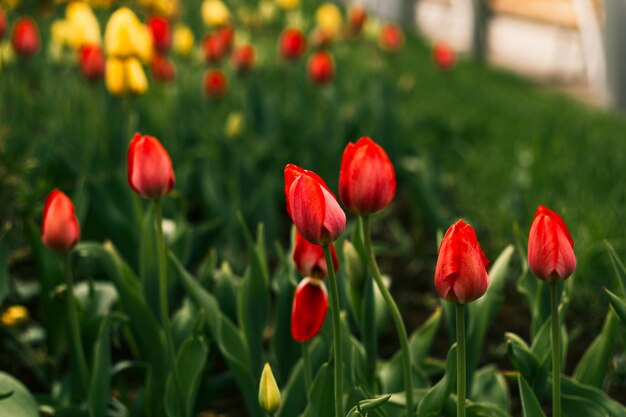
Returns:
(617,305)
(183,322)
(594,365)
(20,403)
(100,386)
(321,398)
(480,409)
(525,361)
(436,397)
(618,267)
(530,404)
(284,348)
(4,269)
(490,387)
(599,398)
(226,287)
(422,339)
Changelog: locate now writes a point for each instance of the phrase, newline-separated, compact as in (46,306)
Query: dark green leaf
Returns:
(321,398)
(530,404)
(100,386)
(490,387)
(190,361)
(21,403)
(618,305)
(436,397)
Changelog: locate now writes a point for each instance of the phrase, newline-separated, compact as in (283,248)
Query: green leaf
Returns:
(525,361)
(594,365)
(100,386)
(618,267)
(479,409)
(183,322)
(21,403)
(572,388)
(490,387)
(225,289)
(436,397)
(4,269)
(422,339)
(618,305)
(580,406)
(530,404)
(190,361)
(321,398)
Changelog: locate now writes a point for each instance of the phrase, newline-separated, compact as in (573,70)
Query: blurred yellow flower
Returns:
(215,13)
(125,75)
(235,125)
(183,40)
(80,27)
(267,10)
(136,80)
(6,54)
(288,4)
(60,32)
(14,315)
(114,76)
(10,4)
(126,36)
(329,18)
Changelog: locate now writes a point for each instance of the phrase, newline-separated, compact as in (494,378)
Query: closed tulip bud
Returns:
(126,36)
(163,68)
(150,172)
(391,37)
(135,76)
(215,84)
(269,394)
(244,58)
(115,77)
(550,247)
(25,39)
(310,304)
(312,207)
(214,48)
(82,24)
(91,61)
(367,180)
(443,56)
(227,35)
(461,272)
(59,230)
(183,40)
(161,33)
(321,68)
(328,17)
(310,260)
(215,13)
(3,24)
(292,43)
(357,15)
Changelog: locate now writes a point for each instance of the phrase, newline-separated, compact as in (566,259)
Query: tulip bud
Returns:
(367,180)
(391,37)
(25,37)
(461,274)
(214,48)
(312,207)
(357,16)
(91,61)
(114,76)
(215,84)
(227,35)
(292,43)
(3,24)
(163,68)
(161,33)
(183,40)
(310,304)
(354,270)
(150,172)
(328,17)
(550,247)
(269,394)
(235,125)
(310,260)
(135,76)
(59,230)
(215,13)
(244,58)
(443,56)
(321,68)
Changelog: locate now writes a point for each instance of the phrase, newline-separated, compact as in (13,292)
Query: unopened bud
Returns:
(269,394)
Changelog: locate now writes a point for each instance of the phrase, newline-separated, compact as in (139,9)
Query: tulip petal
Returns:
(310,304)
(334,220)
(307,207)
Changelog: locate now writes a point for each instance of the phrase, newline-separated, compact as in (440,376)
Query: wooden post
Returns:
(614,35)
(480,23)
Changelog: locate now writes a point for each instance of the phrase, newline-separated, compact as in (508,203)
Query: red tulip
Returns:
(391,37)
(244,58)
(227,36)
(214,48)
(25,38)
(215,84)
(310,260)
(357,15)
(550,247)
(59,230)
(292,43)
(3,24)
(161,33)
(91,61)
(150,172)
(461,274)
(321,68)
(367,181)
(310,303)
(443,56)
(312,207)
(163,68)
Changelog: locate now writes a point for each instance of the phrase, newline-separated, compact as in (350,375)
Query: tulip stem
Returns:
(395,314)
(76,345)
(368,322)
(334,300)
(556,351)
(460,361)
(165,317)
(308,379)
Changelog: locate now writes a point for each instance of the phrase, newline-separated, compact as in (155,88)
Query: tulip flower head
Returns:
(292,43)
(161,33)
(79,28)
(215,84)
(391,37)
(215,13)
(357,15)
(443,55)
(150,172)
(3,23)
(310,304)
(321,68)
(312,207)
(91,61)
(163,68)
(367,180)
(550,247)
(461,272)
(183,40)
(269,394)
(25,37)
(59,229)
(126,36)
(310,260)
(328,17)
(244,58)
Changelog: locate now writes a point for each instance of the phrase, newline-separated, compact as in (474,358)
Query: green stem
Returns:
(368,322)
(308,379)
(165,317)
(556,351)
(334,302)
(460,361)
(75,339)
(395,314)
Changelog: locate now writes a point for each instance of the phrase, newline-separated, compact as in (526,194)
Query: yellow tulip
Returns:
(60,32)
(126,36)
(85,29)
(269,394)
(234,125)
(183,40)
(14,315)
(136,80)
(215,13)
(329,18)
(114,76)
(288,4)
